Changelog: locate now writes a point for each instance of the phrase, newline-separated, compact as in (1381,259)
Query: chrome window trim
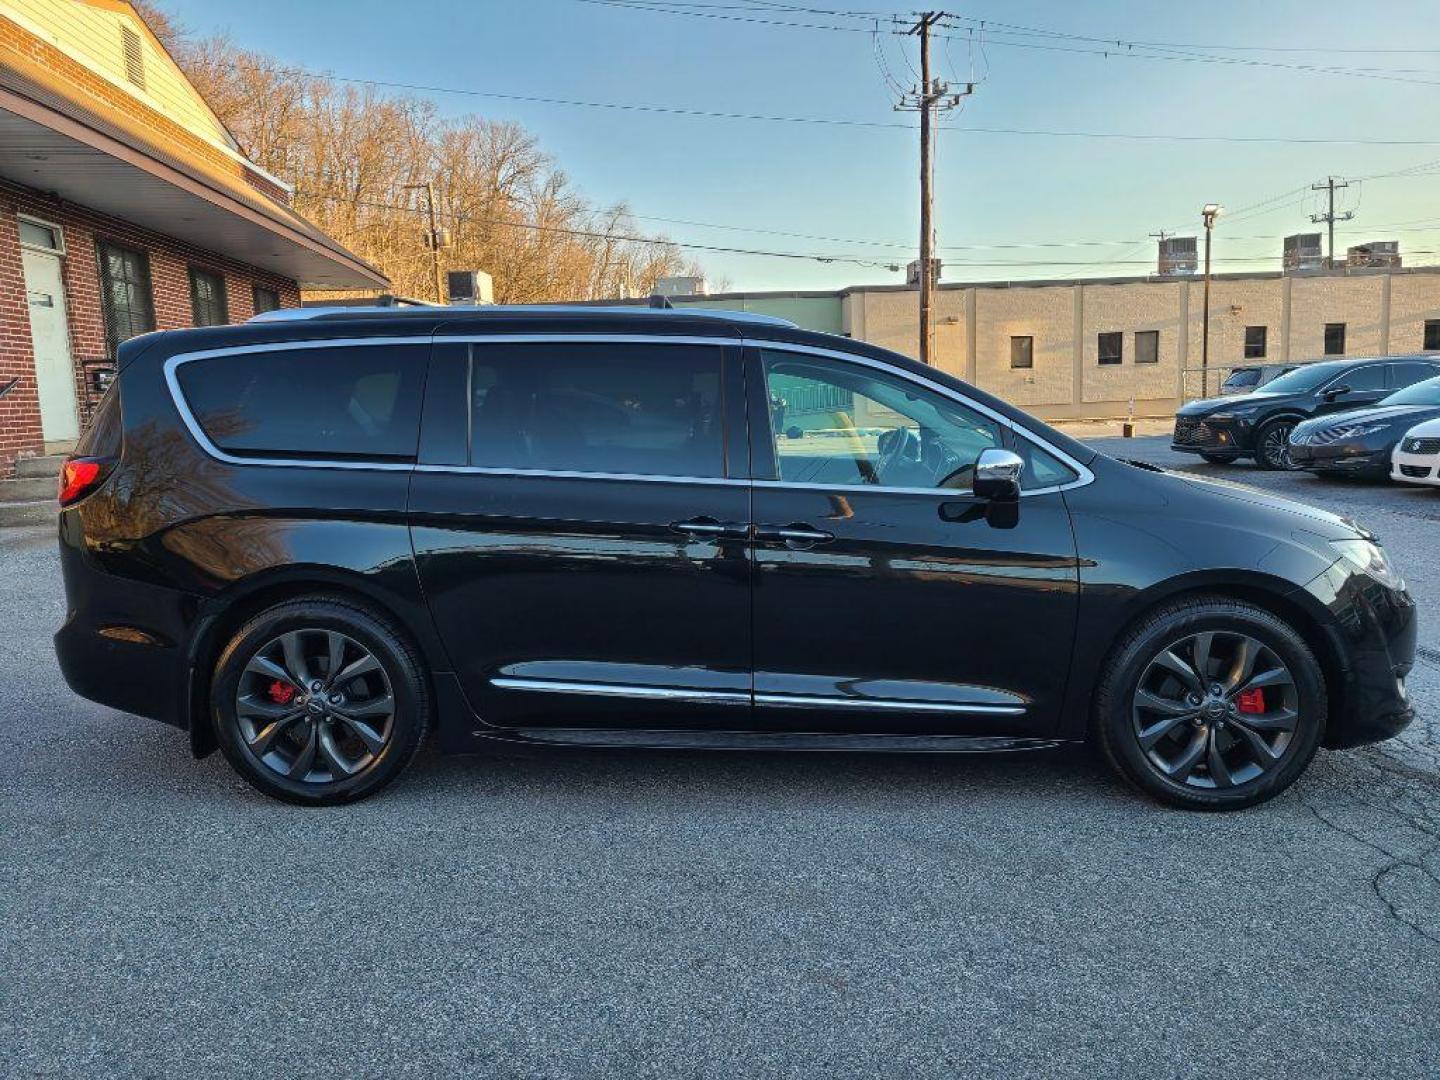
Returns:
(173,364)
(1083,475)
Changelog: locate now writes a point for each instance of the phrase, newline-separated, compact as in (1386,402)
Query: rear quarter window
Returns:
(351,403)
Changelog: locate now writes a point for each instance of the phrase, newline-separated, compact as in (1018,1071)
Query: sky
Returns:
(1008,206)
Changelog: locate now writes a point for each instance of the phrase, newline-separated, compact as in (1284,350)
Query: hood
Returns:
(1396,413)
(1206,406)
(1427,430)
(1312,519)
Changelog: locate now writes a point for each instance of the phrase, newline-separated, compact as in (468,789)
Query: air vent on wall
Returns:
(134,56)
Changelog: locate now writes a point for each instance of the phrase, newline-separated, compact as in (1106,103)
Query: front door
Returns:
(888,599)
(586,558)
(50,334)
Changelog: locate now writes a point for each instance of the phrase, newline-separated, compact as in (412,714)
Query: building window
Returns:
(1432,335)
(134,56)
(1254,342)
(1334,339)
(1022,352)
(265,299)
(1112,347)
(125,293)
(42,236)
(207,298)
(1147,346)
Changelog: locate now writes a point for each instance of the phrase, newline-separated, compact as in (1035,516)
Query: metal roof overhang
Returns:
(55,154)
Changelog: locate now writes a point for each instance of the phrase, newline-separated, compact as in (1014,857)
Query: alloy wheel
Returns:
(1216,709)
(315,706)
(1275,447)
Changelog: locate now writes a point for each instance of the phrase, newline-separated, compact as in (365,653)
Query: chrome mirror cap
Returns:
(997,474)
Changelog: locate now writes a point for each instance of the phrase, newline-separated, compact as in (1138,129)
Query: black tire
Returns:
(1271,451)
(380,749)
(1221,459)
(1117,722)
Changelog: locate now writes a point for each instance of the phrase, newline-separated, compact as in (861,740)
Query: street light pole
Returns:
(1209,213)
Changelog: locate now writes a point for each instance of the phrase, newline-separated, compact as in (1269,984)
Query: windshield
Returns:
(1306,377)
(1420,393)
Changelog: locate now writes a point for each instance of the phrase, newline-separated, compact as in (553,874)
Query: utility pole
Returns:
(436,238)
(1208,214)
(925,98)
(1329,184)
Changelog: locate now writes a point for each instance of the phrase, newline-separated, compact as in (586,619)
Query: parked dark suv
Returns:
(312,540)
(1259,424)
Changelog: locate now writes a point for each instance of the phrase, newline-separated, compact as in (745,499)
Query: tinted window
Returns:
(645,410)
(1243,378)
(1022,352)
(207,298)
(836,423)
(1334,339)
(1254,342)
(1420,393)
(124,293)
(1303,378)
(1147,346)
(1363,379)
(357,402)
(1404,374)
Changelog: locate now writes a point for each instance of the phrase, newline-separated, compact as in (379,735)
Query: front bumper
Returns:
(1415,468)
(1374,631)
(1201,435)
(1341,457)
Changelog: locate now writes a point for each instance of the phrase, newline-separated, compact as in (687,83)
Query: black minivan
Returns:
(313,539)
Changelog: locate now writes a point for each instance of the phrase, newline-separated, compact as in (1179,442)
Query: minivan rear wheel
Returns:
(319,701)
(1211,704)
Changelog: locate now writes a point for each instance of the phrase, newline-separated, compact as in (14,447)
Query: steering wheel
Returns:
(897,445)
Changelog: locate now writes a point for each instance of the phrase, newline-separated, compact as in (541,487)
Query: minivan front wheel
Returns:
(1211,704)
(319,701)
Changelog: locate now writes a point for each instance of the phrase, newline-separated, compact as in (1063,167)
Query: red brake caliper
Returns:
(281,692)
(1251,701)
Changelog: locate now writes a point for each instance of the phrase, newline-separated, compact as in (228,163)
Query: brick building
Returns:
(125,206)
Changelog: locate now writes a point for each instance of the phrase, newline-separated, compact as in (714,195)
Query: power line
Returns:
(710,114)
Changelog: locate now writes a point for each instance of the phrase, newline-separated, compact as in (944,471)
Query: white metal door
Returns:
(54,369)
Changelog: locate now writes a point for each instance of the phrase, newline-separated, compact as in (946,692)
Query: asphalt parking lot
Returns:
(676,915)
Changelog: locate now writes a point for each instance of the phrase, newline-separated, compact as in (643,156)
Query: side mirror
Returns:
(1336,392)
(997,475)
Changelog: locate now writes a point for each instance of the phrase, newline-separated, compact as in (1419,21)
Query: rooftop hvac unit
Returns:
(1377,253)
(679,286)
(1303,252)
(1178,256)
(470,287)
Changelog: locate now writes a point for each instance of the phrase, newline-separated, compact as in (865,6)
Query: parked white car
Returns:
(1416,459)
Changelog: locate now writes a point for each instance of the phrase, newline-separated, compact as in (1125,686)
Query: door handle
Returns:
(708,526)
(795,535)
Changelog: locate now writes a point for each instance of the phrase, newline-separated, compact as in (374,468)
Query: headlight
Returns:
(1355,431)
(1369,558)
(1233,414)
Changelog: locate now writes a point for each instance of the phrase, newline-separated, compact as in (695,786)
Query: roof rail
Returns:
(301,314)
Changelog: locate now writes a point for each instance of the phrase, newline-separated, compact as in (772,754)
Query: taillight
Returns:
(79,476)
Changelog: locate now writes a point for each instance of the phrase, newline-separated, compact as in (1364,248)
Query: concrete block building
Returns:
(125,206)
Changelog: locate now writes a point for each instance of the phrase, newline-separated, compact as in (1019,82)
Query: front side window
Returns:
(207,298)
(345,403)
(124,293)
(631,409)
(1111,347)
(1254,342)
(848,425)
(1147,346)
(1363,379)
(1403,375)
(1334,339)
